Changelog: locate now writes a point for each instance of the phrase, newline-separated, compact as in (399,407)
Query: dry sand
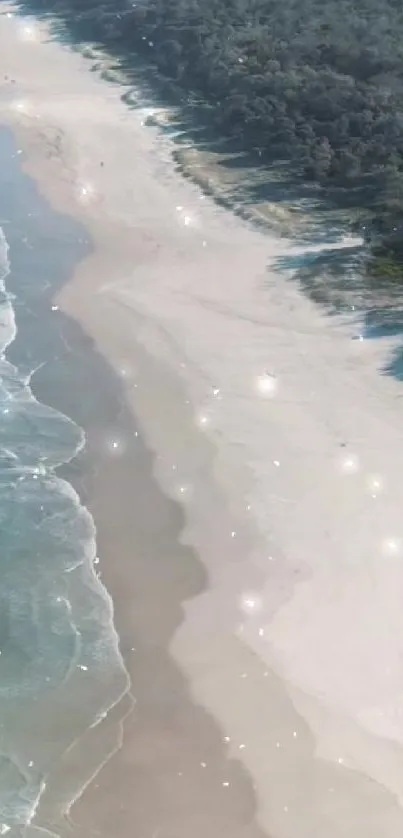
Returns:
(292,493)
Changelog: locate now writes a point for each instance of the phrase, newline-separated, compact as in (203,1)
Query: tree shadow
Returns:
(382,324)
(394,367)
(250,184)
(333,277)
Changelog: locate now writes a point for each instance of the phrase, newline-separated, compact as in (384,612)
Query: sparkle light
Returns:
(203,420)
(250,603)
(350,464)
(266,384)
(185,217)
(116,446)
(391,546)
(184,492)
(28,32)
(85,192)
(21,106)
(125,372)
(375,486)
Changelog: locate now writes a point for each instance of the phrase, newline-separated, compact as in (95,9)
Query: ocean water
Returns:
(60,665)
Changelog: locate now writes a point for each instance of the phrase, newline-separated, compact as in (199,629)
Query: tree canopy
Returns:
(315,82)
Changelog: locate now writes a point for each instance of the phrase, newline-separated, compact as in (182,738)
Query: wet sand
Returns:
(271,630)
(170,774)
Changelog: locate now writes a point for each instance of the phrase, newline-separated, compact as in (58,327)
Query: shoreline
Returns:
(194,734)
(107,485)
(166,737)
(35,352)
(317,762)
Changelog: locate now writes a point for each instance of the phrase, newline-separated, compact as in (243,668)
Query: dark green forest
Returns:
(318,83)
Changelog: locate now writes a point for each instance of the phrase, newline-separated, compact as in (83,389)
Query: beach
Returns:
(242,465)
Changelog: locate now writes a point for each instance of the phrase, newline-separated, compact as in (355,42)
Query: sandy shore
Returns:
(290,484)
(161,764)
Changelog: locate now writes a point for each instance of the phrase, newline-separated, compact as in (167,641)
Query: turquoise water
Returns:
(60,665)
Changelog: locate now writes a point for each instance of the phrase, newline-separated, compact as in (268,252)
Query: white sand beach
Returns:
(274,429)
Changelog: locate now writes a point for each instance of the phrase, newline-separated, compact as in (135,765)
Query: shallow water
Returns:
(60,664)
